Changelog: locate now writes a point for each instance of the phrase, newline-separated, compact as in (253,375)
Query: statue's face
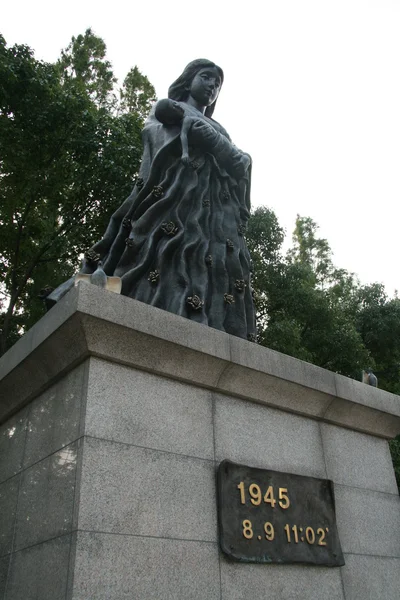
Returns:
(205,86)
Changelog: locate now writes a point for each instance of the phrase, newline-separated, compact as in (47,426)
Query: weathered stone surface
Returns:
(54,417)
(39,572)
(4,564)
(274,392)
(139,350)
(287,582)
(46,497)
(148,411)
(39,333)
(361,417)
(8,509)
(166,397)
(64,349)
(366,395)
(131,490)
(371,577)
(12,444)
(128,567)
(154,322)
(267,438)
(282,366)
(368,522)
(357,459)
(90,321)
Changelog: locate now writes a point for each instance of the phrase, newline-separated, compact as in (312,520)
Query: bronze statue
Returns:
(177,241)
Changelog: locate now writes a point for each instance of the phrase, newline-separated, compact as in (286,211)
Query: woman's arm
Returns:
(206,137)
(186,125)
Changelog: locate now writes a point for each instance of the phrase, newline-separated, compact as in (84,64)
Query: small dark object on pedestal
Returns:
(369,378)
(99,278)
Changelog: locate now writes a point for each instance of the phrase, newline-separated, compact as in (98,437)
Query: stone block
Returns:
(4,565)
(39,572)
(61,351)
(272,391)
(366,395)
(54,417)
(147,410)
(357,459)
(46,498)
(368,521)
(263,437)
(277,582)
(371,577)
(93,322)
(361,417)
(122,567)
(8,510)
(282,366)
(165,326)
(142,351)
(56,317)
(126,489)
(12,444)
(51,321)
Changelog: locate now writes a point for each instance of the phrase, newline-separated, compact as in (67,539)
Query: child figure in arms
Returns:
(170,112)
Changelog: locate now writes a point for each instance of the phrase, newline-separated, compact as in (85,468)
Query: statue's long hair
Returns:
(180,89)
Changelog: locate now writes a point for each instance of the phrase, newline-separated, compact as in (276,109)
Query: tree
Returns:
(137,94)
(69,154)
(264,239)
(305,305)
(395,452)
(378,321)
(312,251)
(84,61)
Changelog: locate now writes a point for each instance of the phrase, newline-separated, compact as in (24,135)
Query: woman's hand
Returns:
(203,135)
(241,164)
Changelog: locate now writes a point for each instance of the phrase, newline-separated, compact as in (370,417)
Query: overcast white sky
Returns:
(312,92)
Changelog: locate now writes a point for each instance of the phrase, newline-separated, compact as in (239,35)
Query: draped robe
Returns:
(177,241)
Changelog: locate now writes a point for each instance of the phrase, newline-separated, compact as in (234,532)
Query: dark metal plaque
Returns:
(272,517)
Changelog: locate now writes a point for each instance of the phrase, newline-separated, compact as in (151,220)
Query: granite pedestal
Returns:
(114,418)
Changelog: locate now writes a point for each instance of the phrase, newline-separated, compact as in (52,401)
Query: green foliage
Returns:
(84,61)
(264,238)
(311,251)
(137,94)
(395,452)
(378,321)
(68,157)
(305,305)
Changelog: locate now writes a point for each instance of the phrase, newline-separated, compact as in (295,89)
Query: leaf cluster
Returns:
(69,153)
(310,309)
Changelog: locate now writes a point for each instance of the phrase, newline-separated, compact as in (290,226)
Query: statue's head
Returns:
(169,111)
(181,88)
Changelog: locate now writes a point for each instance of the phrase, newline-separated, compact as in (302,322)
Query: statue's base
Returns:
(115,416)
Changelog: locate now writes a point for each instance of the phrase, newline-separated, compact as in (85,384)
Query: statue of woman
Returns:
(177,241)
